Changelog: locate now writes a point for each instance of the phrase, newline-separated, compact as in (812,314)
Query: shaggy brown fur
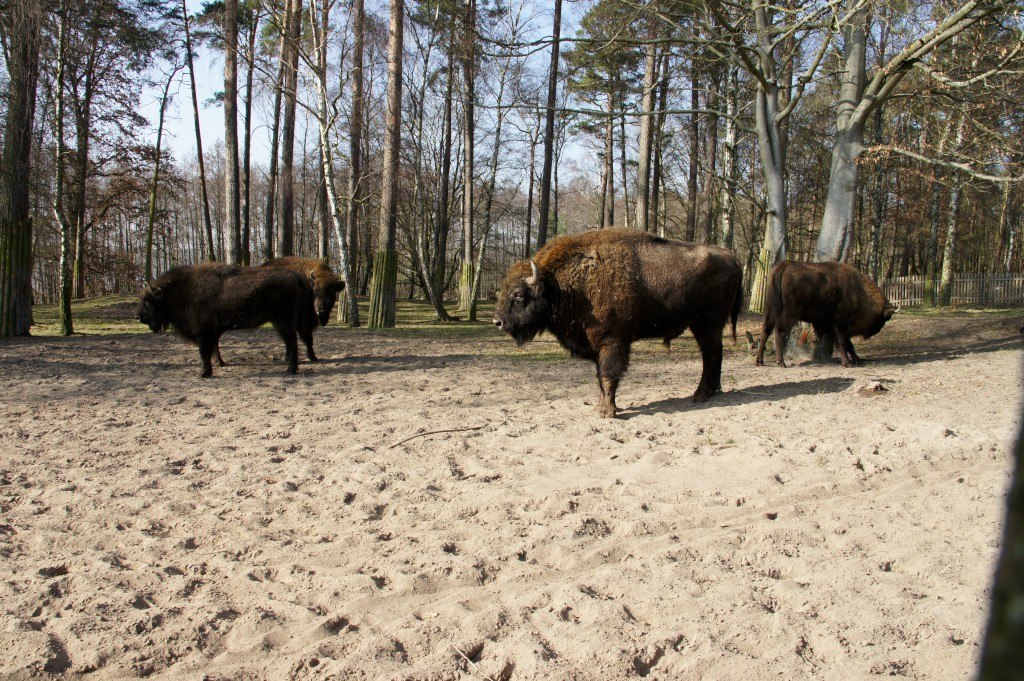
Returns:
(326,284)
(831,296)
(200,303)
(599,291)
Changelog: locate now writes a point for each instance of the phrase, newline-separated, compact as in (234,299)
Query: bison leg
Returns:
(307,338)
(220,360)
(710,342)
(759,361)
(612,361)
(207,347)
(846,352)
(780,345)
(291,346)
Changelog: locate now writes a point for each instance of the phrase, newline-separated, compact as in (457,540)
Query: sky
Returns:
(179,133)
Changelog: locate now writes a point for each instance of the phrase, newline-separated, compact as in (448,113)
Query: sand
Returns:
(813,521)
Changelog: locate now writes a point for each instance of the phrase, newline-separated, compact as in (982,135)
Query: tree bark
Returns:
(530,187)
(549,129)
(730,160)
(609,166)
(246,169)
(355,172)
(647,123)
(15,224)
(694,135)
(207,223)
(840,206)
(441,215)
(65,282)
(151,217)
(232,212)
(270,209)
(466,302)
(382,293)
(286,225)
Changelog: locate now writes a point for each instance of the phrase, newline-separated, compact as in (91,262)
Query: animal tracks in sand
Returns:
(269,528)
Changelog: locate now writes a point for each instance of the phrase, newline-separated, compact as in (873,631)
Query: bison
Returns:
(833,297)
(326,284)
(599,291)
(202,302)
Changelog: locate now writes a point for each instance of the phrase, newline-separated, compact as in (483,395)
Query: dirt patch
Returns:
(811,520)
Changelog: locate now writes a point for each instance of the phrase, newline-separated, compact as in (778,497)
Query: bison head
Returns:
(885,315)
(325,295)
(523,311)
(152,309)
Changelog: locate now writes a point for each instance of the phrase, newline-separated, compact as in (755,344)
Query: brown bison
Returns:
(202,302)
(326,284)
(599,291)
(833,297)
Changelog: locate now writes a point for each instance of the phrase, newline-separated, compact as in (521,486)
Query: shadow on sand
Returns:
(755,393)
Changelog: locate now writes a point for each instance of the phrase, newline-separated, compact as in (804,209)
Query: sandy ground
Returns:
(257,526)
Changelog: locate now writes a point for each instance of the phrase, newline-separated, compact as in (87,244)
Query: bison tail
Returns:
(737,305)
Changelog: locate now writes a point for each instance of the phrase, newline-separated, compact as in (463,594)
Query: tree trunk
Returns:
(877,206)
(549,129)
(348,310)
(286,226)
(231,208)
(466,302)
(694,134)
(246,169)
(441,215)
(15,223)
(627,216)
(529,192)
(270,209)
(324,119)
(207,223)
(151,218)
(711,155)
(949,249)
(64,296)
(657,224)
(385,273)
(609,165)
(647,123)
(730,160)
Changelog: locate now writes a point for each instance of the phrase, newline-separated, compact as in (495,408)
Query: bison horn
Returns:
(533,278)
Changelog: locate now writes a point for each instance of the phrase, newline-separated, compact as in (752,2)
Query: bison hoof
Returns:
(759,362)
(206,374)
(313,358)
(700,396)
(607,411)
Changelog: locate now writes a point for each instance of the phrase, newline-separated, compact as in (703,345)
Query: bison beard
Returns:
(200,303)
(834,298)
(599,291)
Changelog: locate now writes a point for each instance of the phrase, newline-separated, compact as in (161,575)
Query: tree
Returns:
(293,32)
(355,134)
(22,26)
(232,212)
(207,224)
(858,97)
(549,130)
(385,262)
(467,302)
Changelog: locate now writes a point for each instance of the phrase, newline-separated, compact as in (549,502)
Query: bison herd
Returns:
(596,293)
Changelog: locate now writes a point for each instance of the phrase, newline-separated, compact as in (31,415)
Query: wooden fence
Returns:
(967,289)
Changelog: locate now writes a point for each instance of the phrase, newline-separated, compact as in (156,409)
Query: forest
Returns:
(422,147)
